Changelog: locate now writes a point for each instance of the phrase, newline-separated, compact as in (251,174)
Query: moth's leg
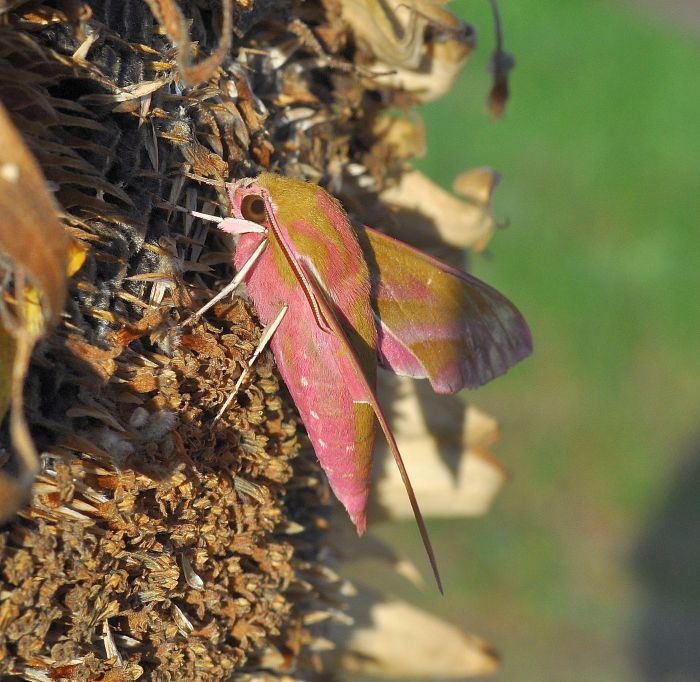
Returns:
(264,340)
(232,285)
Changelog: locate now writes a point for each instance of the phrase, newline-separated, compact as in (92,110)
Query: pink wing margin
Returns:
(438,322)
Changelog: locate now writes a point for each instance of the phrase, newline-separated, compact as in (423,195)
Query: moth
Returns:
(339,300)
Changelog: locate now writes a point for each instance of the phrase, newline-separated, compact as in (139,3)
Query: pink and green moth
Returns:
(341,299)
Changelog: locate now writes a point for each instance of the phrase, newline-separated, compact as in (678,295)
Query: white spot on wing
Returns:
(321,443)
(314,414)
(304,381)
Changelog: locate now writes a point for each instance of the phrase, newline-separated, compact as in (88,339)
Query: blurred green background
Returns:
(588,567)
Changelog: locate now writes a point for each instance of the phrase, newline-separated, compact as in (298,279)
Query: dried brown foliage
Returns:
(157,546)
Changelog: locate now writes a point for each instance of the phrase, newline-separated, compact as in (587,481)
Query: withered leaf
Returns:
(32,239)
(418,47)
(34,249)
(170,17)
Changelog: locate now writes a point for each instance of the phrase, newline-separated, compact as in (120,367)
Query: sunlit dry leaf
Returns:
(171,18)
(458,223)
(418,46)
(394,640)
(445,444)
(477,185)
(405,135)
(77,253)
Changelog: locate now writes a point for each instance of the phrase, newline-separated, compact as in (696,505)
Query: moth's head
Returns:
(250,201)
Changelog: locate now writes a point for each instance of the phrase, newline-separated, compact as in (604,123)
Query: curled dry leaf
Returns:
(31,237)
(458,223)
(393,640)
(171,18)
(33,253)
(404,135)
(446,445)
(418,46)
(477,185)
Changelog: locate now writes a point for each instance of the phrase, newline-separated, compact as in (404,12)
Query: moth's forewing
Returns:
(312,228)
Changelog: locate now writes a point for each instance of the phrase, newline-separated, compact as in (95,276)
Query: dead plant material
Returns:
(155,545)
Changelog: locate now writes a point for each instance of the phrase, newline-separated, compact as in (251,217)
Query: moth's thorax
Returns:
(317,230)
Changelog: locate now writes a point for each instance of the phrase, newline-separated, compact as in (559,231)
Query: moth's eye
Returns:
(253,208)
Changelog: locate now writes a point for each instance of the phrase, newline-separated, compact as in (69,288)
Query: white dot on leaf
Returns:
(9,172)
